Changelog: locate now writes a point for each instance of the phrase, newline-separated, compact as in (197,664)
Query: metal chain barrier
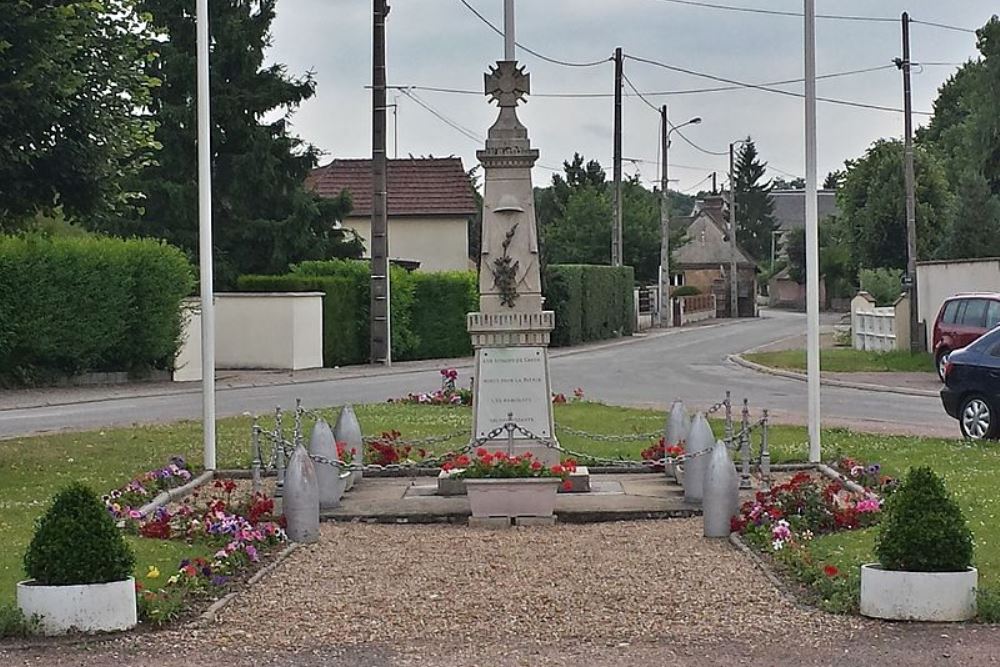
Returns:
(281,448)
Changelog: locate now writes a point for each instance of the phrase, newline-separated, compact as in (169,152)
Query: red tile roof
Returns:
(417,186)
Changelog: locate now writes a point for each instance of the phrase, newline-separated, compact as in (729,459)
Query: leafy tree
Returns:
(834,258)
(975,227)
(264,217)
(833,180)
(72,76)
(574,219)
(754,208)
(797,183)
(872,205)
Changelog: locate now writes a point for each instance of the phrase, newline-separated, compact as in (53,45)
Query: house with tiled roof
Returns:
(430,202)
(703,261)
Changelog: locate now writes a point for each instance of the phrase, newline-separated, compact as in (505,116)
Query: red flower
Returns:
(481,452)
(462,460)
(536,465)
(447,465)
(831,571)
(775,513)
(138,587)
(557,469)
(567,485)
(559,398)
(189,570)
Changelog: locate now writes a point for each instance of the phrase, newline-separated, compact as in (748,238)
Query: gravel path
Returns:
(635,593)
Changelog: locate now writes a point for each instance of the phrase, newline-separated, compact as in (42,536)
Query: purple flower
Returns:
(206,571)
(184,564)
(252,552)
(219,580)
(873,469)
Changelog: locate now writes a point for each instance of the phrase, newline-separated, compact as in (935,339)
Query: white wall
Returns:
(939,280)
(439,244)
(261,330)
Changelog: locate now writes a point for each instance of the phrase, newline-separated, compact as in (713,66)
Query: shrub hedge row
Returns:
(591,302)
(70,305)
(428,309)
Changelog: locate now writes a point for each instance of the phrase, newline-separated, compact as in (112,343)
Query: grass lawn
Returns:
(846,360)
(32,469)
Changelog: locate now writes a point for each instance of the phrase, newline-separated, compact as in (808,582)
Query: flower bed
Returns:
(661,450)
(783,521)
(448,394)
(226,517)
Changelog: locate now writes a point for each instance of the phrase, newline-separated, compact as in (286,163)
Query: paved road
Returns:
(689,364)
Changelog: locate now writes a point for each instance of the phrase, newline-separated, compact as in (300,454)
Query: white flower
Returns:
(777,545)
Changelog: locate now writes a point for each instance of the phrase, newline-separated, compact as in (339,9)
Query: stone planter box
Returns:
(533,496)
(918,596)
(85,608)
(449,486)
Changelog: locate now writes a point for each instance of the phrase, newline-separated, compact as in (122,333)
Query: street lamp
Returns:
(665,132)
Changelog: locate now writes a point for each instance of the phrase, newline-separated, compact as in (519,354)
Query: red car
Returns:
(962,319)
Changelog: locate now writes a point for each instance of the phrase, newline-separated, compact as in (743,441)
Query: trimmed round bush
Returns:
(76,542)
(923,529)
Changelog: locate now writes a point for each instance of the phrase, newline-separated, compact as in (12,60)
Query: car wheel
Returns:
(977,419)
(942,361)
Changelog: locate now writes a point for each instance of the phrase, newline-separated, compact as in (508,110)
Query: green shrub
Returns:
(14,624)
(76,542)
(75,304)
(590,302)
(885,285)
(685,290)
(428,309)
(923,529)
(440,303)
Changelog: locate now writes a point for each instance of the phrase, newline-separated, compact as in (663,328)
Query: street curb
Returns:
(830,382)
(772,577)
(463,363)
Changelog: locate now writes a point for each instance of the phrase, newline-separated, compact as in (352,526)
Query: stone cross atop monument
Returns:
(511,331)
(509,273)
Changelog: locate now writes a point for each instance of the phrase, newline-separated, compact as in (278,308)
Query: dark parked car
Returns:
(962,319)
(971,391)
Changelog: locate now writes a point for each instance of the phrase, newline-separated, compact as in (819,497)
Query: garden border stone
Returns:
(208,616)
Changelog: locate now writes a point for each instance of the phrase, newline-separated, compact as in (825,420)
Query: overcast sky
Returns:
(440,43)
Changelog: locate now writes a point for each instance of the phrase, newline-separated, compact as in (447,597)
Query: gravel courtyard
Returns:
(651,592)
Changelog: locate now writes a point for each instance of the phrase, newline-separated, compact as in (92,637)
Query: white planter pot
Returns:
(918,596)
(532,496)
(87,607)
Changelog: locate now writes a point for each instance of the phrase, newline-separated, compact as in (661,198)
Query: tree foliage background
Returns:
(72,75)
(754,207)
(574,219)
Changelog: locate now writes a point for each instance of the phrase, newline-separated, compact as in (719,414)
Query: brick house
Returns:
(431,204)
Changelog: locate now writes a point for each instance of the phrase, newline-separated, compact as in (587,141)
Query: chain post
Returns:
(765,455)
(728,404)
(510,434)
(745,447)
(279,458)
(299,412)
(255,463)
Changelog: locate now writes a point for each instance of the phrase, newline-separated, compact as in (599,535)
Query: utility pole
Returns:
(812,235)
(663,296)
(715,187)
(616,194)
(916,339)
(381,347)
(734,303)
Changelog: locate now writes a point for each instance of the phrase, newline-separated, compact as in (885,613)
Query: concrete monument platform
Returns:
(613,497)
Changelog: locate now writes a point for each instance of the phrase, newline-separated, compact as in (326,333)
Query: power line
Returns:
(437,114)
(687,91)
(695,186)
(555,61)
(639,95)
(769,89)
(833,17)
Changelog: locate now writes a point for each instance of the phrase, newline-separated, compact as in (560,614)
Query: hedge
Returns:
(428,309)
(70,305)
(591,302)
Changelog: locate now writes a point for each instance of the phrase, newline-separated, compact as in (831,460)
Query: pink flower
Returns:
(868,505)
(252,553)
(134,514)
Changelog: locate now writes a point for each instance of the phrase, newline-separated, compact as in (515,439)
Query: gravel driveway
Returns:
(630,593)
